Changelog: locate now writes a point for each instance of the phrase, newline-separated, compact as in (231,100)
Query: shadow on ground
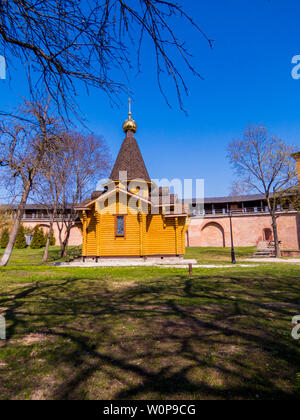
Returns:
(168,337)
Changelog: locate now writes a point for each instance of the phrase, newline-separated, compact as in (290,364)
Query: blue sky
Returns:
(247,80)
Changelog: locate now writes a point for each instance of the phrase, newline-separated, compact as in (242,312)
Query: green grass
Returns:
(151,333)
(202,255)
(218,255)
(35,256)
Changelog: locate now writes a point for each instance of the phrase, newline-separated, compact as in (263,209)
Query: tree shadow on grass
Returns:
(173,337)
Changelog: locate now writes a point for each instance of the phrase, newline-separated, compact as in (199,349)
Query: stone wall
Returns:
(75,236)
(248,230)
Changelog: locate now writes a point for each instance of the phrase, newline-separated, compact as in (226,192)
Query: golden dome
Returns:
(130,124)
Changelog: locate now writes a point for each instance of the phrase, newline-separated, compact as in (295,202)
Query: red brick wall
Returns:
(75,236)
(248,230)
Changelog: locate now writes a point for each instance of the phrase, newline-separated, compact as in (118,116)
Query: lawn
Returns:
(202,255)
(148,333)
(218,256)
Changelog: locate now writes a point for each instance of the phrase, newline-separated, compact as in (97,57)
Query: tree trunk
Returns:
(46,252)
(60,227)
(64,247)
(13,234)
(275,234)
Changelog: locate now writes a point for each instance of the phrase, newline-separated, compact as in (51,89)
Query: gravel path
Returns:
(146,264)
(275,260)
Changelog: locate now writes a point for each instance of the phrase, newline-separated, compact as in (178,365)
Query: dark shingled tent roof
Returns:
(130,160)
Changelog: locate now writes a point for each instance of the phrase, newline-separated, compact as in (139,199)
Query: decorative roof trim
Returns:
(109,193)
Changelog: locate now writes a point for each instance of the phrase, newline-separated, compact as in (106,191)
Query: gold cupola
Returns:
(130,124)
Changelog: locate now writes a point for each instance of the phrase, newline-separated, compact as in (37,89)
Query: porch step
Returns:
(263,245)
(267,253)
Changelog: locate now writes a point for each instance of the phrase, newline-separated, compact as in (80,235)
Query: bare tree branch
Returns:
(68,176)
(23,144)
(264,164)
(60,42)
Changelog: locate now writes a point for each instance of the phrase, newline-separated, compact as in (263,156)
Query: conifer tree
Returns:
(21,241)
(38,240)
(52,239)
(4,238)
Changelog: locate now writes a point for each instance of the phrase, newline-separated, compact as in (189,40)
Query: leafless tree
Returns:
(60,42)
(48,187)
(68,177)
(263,163)
(24,139)
(238,189)
(293,193)
(290,199)
(5,217)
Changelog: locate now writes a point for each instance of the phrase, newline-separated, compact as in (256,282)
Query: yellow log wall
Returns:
(144,235)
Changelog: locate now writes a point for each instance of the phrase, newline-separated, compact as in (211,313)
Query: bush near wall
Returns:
(28,230)
(4,238)
(38,240)
(21,241)
(52,240)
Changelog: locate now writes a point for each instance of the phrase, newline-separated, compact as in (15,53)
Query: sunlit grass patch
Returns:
(146,332)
